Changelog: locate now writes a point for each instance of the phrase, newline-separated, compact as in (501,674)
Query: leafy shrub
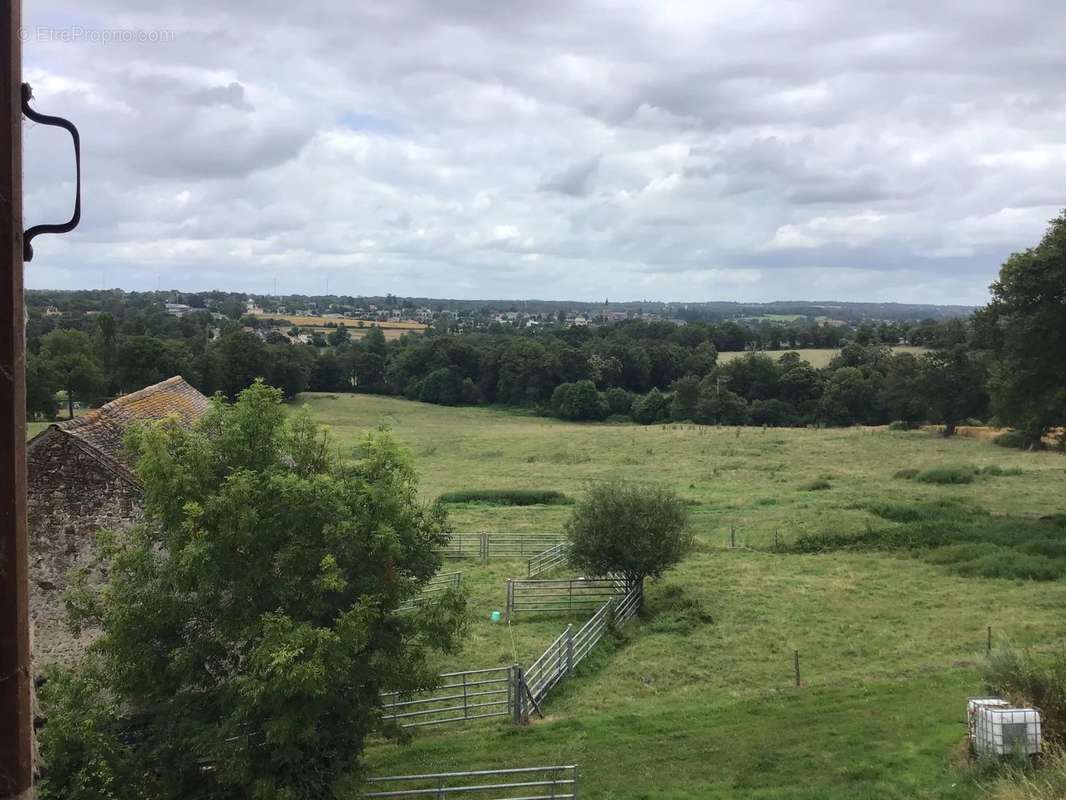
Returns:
(579,402)
(906,474)
(1044,780)
(508,497)
(651,408)
(1052,548)
(816,485)
(1030,680)
(954,554)
(1008,563)
(902,425)
(1013,439)
(619,400)
(898,512)
(948,475)
(998,471)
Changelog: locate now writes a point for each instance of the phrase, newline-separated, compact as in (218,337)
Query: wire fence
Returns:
(523,783)
(461,696)
(548,560)
(498,545)
(566,595)
(436,586)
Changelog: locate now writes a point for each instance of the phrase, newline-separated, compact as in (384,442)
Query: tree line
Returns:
(1002,364)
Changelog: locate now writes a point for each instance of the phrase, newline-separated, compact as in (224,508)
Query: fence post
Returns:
(512,692)
(575,783)
(569,650)
(466,701)
(797,657)
(521,710)
(510,600)
(484,546)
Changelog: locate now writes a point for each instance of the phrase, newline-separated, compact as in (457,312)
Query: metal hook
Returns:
(72,223)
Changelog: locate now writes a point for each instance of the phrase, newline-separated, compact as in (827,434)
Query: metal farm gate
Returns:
(565,595)
(524,783)
(498,545)
(461,696)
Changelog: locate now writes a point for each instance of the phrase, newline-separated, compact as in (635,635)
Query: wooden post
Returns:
(510,600)
(732,537)
(16,708)
(989,650)
(797,659)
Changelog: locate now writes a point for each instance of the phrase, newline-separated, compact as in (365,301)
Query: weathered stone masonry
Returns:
(79,484)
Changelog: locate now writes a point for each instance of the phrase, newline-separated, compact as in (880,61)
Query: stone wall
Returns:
(72,494)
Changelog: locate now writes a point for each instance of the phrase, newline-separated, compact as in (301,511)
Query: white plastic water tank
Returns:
(973,705)
(1001,731)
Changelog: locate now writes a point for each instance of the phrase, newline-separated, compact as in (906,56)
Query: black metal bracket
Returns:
(72,223)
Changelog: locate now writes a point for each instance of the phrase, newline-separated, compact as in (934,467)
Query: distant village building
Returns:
(79,483)
(178,309)
(52,311)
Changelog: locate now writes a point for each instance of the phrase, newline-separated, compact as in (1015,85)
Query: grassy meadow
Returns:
(696,699)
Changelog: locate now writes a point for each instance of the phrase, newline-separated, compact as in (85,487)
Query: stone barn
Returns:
(79,483)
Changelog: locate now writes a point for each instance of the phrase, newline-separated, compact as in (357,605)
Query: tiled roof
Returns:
(104,428)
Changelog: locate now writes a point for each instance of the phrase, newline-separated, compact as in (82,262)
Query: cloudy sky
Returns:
(740,150)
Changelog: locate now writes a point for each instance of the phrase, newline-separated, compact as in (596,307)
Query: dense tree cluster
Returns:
(1010,353)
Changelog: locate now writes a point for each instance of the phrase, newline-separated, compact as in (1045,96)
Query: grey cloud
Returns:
(575,180)
(422,147)
(232,94)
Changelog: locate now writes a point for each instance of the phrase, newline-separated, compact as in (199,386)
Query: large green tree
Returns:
(1028,317)
(40,389)
(251,622)
(952,385)
(69,356)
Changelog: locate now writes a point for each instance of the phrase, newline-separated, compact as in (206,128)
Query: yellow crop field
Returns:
(817,357)
(392,328)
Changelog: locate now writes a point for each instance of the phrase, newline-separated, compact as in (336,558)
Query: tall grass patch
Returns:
(967,542)
(508,497)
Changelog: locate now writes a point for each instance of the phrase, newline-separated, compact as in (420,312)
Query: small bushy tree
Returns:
(579,401)
(651,408)
(638,531)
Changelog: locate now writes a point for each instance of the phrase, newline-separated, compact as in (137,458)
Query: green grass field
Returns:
(891,645)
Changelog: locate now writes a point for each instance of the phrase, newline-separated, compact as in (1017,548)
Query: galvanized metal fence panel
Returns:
(466,695)
(462,545)
(552,558)
(629,604)
(554,664)
(523,783)
(498,545)
(567,651)
(437,585)
(567,595)
(518,545)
